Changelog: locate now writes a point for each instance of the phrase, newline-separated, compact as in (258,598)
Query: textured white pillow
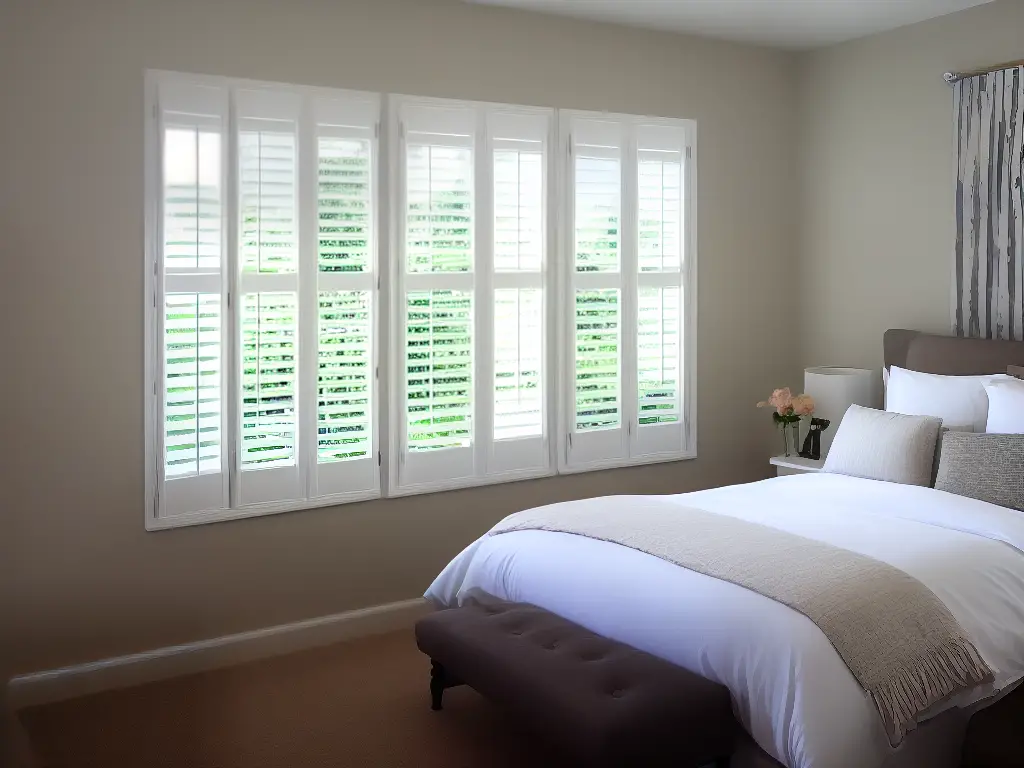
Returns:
(954,399)
(886,446)
(1005,406)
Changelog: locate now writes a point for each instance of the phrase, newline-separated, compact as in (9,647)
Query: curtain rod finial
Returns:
(951,77)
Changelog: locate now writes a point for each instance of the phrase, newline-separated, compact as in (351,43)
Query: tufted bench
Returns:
(605,703)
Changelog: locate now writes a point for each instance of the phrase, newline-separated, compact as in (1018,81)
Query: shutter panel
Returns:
(597,424)
(660,376)
(436,289)
(515,267)
(269,463)
(345,261)
(191,328)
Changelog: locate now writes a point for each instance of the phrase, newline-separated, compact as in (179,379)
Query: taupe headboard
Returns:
(950,355)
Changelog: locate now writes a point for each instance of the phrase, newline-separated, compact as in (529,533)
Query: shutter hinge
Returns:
(376,372)
(570,145)
(229,300)
(154,389)
(378,282)
(378,458)
(154,299)
(689,152)
(376,130)
(629,429)
(156,502)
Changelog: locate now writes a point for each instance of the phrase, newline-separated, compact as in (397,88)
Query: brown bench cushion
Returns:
(606,703)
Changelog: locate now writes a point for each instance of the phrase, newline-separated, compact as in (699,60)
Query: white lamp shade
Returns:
(834,390)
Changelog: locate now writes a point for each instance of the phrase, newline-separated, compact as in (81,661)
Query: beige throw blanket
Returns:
(899,640)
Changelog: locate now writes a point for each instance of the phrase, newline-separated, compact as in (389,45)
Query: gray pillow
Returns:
(886,446)
(988,467)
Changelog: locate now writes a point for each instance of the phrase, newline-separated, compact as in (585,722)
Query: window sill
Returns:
(189,519)
(639,461)
(166,522)
(469,482)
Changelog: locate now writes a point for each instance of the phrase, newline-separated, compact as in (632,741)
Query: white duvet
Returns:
(790,689)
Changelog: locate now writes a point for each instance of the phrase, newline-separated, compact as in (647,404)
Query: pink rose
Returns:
(803,405)
(782,399)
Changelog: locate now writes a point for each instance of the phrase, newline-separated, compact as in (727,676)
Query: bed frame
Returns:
(950,355)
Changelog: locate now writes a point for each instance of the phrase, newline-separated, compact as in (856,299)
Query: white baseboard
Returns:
(159,664)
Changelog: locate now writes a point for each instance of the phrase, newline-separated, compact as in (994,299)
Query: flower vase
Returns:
(791,439)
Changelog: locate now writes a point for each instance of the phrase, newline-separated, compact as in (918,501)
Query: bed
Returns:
(792,692)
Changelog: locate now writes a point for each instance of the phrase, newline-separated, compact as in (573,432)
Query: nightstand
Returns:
(796,465)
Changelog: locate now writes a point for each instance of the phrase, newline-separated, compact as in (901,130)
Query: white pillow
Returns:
(884,446)
(954,399)
(1005,406)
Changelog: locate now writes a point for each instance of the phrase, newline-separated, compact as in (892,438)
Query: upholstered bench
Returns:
(604,703)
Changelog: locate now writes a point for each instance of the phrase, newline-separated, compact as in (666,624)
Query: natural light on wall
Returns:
(539,267)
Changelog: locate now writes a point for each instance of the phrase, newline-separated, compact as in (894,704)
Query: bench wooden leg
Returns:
(438,682)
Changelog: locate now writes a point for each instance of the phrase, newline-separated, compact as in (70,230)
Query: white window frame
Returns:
(619,447)
(479,464)
(387,285)
(312,101)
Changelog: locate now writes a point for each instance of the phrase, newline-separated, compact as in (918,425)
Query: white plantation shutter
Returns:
(470,271)
(263,203)
(598,295)
(345,263)
(436,289)
(190,470)
(661,232)
(514,261)
(268,295)
(263,241)
(626,192)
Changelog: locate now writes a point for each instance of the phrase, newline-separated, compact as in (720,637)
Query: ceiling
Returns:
(794,24)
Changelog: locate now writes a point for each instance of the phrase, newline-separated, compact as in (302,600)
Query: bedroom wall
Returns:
(85,580)
(877,179)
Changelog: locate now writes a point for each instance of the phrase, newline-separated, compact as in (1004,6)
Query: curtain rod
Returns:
(955,77)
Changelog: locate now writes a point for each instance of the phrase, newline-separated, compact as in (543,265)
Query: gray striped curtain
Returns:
(990,205)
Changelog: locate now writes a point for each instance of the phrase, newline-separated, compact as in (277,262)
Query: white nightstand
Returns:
(796,465)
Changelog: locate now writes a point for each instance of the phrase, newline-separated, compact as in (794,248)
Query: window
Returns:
(469,275)
(630,377)
(540,301)
(262,352)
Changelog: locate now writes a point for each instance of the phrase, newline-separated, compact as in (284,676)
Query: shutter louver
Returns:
(269,380)
(345,378)
(193,371)
(659,360)
(345,204)
(518,363)
(598,397)
(439,368)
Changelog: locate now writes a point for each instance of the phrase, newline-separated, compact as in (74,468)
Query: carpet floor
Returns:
(363,703)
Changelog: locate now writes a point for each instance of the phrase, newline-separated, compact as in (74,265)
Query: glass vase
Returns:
(790,439)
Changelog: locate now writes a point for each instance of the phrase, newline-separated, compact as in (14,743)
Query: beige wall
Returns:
(876,212)
(88,582)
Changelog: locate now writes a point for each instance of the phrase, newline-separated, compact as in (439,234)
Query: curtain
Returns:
(989,287)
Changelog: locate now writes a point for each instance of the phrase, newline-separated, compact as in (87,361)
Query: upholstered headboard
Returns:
(950,355)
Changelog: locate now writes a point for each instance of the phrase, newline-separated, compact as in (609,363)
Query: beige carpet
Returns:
(357,704)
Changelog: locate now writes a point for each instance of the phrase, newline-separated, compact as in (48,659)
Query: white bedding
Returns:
(789,687)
